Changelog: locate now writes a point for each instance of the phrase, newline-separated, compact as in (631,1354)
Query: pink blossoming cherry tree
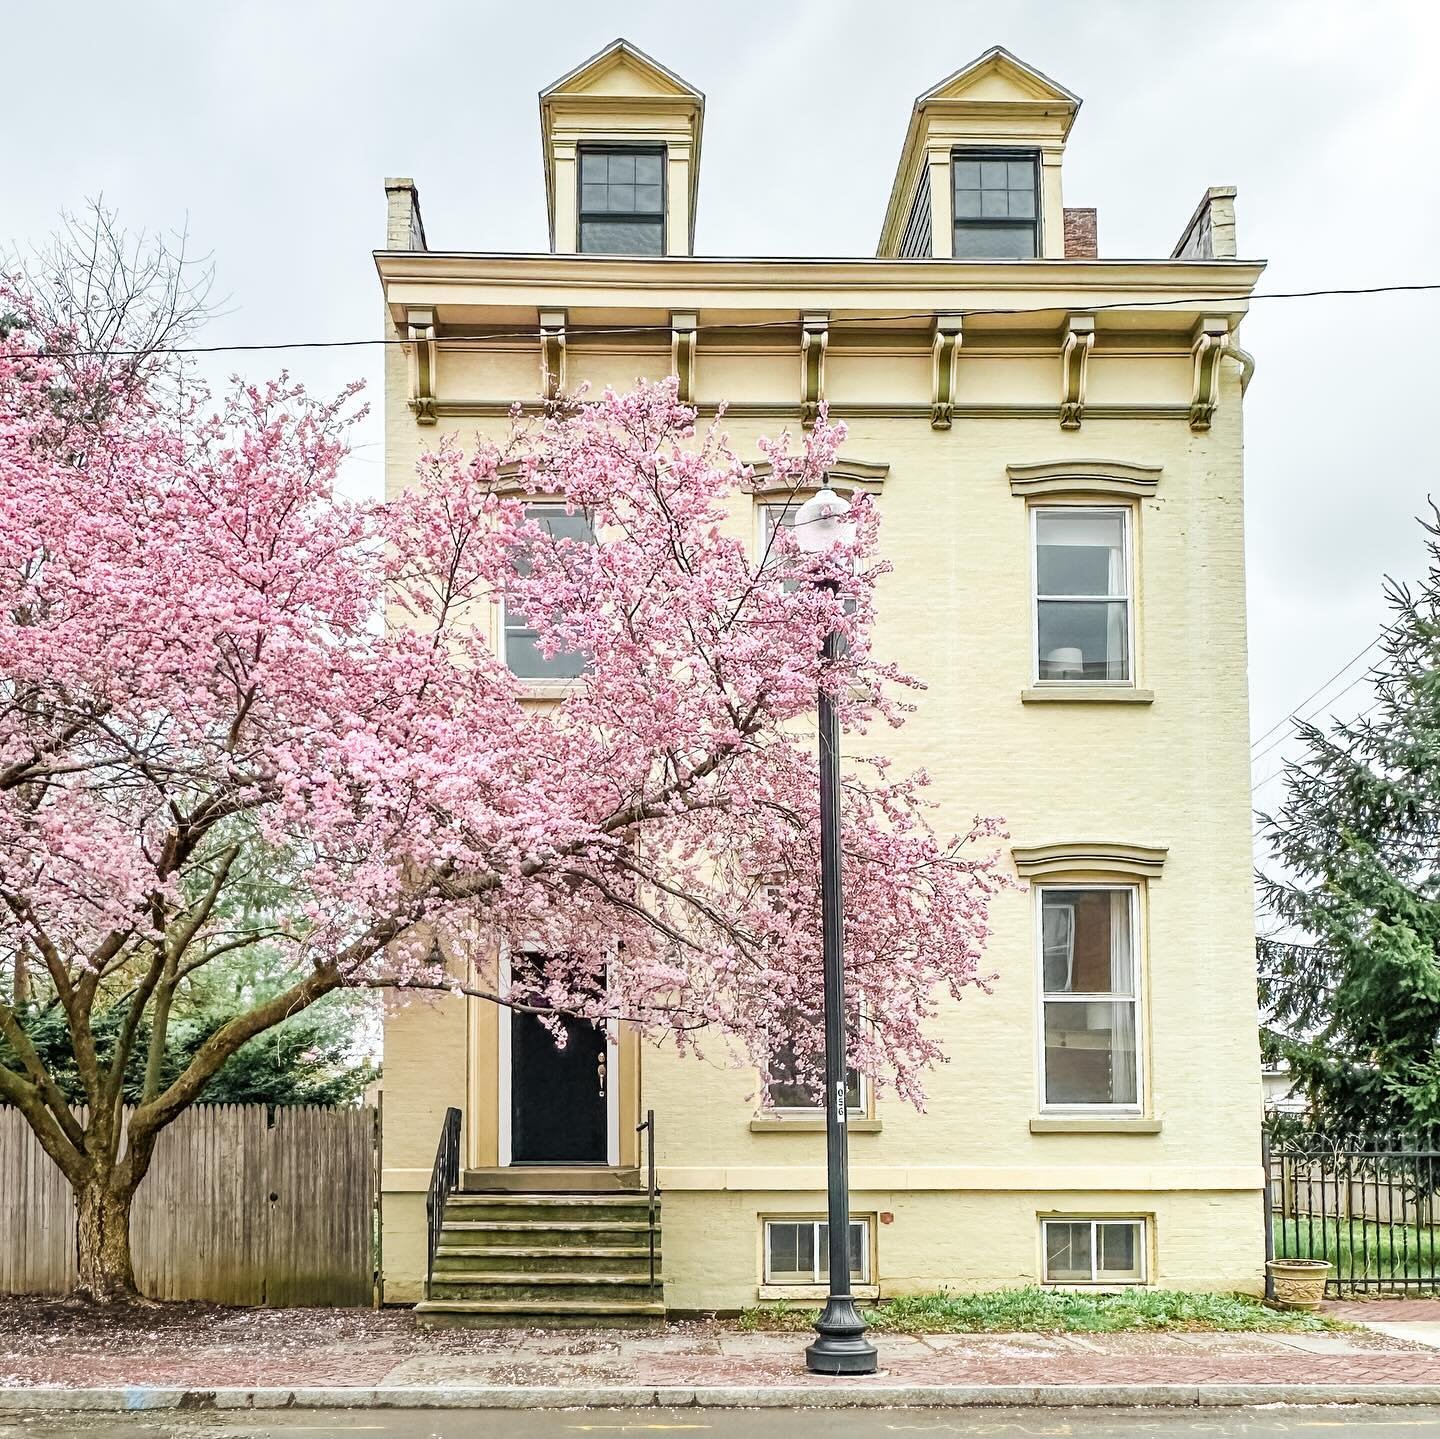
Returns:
(197,684)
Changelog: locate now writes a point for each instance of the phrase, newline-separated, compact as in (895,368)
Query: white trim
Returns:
(1127,555)
(1137,960)
(504,1080)
(612,1093)
(505,1066)
(1098,1279)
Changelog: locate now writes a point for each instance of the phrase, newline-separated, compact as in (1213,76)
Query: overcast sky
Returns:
(267,127)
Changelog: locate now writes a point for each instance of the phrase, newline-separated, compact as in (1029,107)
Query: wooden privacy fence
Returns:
(243,1204)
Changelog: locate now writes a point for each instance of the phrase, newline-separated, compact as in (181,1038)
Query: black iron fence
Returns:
(1368,1204)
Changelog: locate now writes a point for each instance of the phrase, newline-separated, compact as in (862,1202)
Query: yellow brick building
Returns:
(1054,441)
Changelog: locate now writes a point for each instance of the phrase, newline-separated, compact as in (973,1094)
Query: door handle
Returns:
(600,1071)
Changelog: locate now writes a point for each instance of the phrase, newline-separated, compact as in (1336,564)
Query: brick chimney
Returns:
(1080,235)
(404,229)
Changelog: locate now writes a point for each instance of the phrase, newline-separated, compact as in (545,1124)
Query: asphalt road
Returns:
(1323,1423)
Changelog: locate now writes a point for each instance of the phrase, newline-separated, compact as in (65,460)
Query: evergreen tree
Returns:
(1350,975)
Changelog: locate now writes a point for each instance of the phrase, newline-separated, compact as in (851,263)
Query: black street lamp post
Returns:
(841,1346)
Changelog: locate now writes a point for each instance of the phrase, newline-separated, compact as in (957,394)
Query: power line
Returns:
(523,333)
(1295,718)
(1292,714)
(1276,773)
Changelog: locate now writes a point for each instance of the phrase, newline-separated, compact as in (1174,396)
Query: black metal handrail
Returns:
(443,1180)
(647,1128)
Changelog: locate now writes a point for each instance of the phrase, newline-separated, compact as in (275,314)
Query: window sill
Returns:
(1100,1286)
(810,1124)
(1095,1124)
(1086,694)
(811,1292)
(553,690)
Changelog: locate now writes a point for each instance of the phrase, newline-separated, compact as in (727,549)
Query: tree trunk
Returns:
(106,1273)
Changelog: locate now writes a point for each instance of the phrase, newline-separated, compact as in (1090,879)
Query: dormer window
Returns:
(622,200)
(997,214)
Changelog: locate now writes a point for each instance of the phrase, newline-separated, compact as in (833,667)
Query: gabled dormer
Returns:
(979,175)
(621,137)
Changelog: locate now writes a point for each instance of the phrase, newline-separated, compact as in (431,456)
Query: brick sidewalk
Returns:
(59,1343)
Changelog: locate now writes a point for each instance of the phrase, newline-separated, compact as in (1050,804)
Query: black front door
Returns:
(557,1096)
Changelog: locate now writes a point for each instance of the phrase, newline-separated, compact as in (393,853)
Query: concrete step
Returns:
(570,1208)
(530,1259)
(542,1178)
(529,1287)
(547,1234)
(539,1314)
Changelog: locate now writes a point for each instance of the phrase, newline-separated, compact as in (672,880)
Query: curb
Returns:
(139,1398)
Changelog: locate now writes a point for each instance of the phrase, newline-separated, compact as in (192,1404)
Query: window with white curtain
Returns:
(522,644)
(1090,1003)
(1082,595)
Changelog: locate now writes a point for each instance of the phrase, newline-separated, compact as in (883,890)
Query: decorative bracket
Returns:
(1074,367)
(682,355)
(1210,340)
(421,349)
(552,354)
(945,354)
(814,338)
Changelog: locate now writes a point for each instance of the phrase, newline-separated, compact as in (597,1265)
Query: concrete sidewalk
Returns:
(53,1356)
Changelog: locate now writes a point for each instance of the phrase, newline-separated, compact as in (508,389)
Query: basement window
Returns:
(1093,1251)
(797,1251)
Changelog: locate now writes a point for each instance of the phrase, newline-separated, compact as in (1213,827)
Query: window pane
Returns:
(994,174)
(988,240)
(647,169)
(621,237)
(1086,942)
(522,655)
(1022,202)
(790,1252)
(1084,640)
(967,174)
(622,198)
(1067,1253)
(786,1091)
(622,167)
(967,204)
(993,204)
(522,646)
(593,197)
(647,199)
(593,167)
(1080,552)
(1119,1256)
(1090,1052)
(859,1268)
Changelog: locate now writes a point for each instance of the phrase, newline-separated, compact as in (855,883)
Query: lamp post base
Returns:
(842,1347)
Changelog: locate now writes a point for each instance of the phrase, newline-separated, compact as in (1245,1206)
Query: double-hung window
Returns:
(1090,1005)
(797,1251)
(1083,623)
(788,1093)
(622,200)
(522,645)
(1094,1251)
(997,204)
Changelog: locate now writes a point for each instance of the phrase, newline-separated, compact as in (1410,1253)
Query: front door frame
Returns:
(505,1080)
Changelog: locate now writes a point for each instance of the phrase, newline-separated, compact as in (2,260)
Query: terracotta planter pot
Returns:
(1299,1283)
